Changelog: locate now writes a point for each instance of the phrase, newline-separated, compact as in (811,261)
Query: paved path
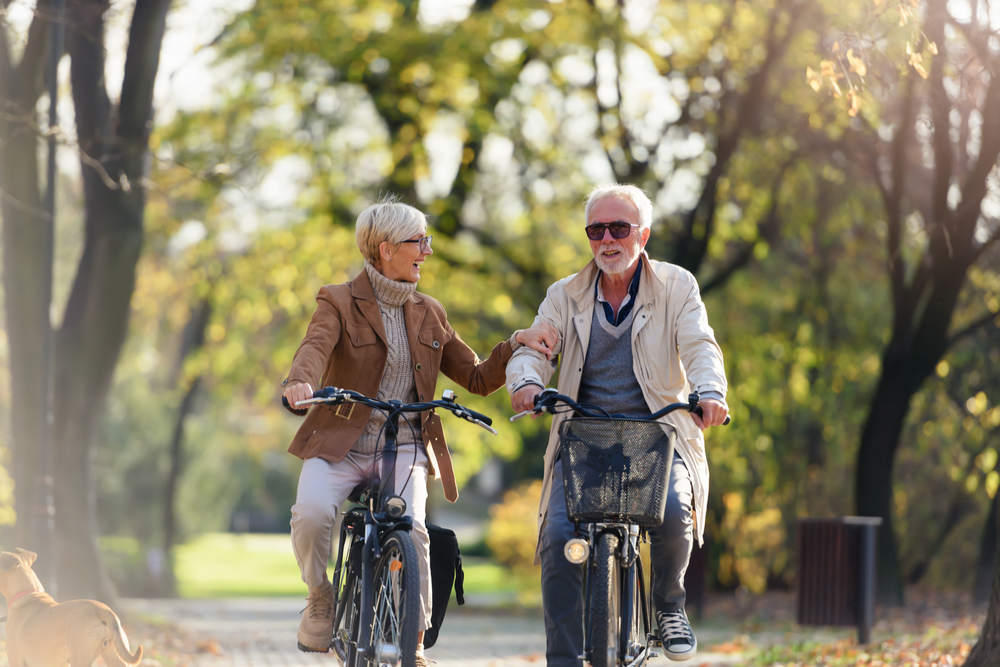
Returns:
(261,633)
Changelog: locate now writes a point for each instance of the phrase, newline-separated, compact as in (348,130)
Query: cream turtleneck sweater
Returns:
(397,380)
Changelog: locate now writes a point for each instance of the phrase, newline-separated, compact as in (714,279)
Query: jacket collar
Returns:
(581,287)
(364,296)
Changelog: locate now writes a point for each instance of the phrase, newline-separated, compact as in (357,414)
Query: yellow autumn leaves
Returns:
(841,68)
(848,66)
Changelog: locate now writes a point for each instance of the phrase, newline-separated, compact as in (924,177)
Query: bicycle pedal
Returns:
(308,649)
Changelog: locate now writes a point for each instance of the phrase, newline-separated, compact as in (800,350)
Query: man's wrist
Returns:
(521,384)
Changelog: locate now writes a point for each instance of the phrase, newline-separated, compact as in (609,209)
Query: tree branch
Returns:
(944,161)
(894,203)
(142,61)
(28,76)
(990,242)
(6,66)
(967,213)
(972,328)
(690,248)
(767,228)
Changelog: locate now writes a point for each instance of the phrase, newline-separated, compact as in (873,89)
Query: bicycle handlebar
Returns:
(337,396)
(548,399)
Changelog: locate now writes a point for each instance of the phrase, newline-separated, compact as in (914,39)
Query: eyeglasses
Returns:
(424,243)
(619,230)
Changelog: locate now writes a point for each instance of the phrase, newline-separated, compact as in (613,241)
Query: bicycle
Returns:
(376,586)
(615,470)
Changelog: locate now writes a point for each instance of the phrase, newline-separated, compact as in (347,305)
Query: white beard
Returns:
(620,262)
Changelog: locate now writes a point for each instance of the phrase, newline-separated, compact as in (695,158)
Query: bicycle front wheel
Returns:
(397,603)
(605,630)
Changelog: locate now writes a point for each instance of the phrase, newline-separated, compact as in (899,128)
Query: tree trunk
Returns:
(193,340)
(986,652)
(989,551)
(873,487)
(96,320)
(25,229)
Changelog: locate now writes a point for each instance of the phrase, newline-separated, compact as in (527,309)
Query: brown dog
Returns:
(44,633)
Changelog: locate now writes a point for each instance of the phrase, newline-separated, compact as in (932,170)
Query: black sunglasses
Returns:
(619,230)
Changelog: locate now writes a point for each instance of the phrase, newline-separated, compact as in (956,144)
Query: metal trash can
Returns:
(836,572)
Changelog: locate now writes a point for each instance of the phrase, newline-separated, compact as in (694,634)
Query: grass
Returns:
(225,565)
(222,565)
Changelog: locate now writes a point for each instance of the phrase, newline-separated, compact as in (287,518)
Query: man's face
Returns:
(612,255)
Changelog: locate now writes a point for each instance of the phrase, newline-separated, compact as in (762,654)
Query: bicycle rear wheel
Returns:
(605,631)
(397,602)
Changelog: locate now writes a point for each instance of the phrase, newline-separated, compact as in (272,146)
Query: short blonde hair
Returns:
(629,192)
(387,220)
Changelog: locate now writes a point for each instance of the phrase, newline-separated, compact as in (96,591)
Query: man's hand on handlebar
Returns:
(524,398)
(714,413)
(299,391)
(542,339)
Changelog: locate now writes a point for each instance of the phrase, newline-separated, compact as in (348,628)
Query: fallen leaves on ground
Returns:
(930,632)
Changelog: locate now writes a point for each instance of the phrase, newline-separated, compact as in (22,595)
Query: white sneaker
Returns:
(676,635)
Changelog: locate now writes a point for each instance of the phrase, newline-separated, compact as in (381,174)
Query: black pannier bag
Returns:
(446,573)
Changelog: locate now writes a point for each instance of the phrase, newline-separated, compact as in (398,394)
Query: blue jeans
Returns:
(562,582)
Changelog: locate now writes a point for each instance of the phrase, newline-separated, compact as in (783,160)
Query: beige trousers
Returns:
(323,488)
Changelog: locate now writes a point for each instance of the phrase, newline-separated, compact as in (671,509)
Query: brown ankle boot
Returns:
(316,626)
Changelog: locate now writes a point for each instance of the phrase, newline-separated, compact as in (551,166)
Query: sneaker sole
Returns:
(680,657)
(309,649)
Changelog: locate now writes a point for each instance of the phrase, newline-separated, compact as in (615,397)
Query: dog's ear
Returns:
(27,556)
(8,561)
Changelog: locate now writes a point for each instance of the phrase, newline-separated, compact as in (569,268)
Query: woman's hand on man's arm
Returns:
(541,338)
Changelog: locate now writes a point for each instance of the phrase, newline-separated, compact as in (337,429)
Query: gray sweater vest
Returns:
(608,380)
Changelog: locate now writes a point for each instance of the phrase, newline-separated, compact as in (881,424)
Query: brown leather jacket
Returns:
(345,346)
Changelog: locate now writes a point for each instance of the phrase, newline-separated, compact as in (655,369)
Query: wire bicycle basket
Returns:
(616,470)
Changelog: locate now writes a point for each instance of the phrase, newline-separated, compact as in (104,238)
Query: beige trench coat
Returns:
(674,351)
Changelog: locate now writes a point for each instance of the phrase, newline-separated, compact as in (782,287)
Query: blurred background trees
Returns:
(845,245)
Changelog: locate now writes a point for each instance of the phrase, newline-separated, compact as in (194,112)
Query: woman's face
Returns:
(404,260)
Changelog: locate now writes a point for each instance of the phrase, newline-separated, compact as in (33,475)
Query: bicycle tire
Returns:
(397,600)
(348,605)
(605,631)
(633,633)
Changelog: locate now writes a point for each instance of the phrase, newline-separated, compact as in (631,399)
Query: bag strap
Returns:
(459,580)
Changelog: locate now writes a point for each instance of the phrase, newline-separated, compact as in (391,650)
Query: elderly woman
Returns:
(377,335)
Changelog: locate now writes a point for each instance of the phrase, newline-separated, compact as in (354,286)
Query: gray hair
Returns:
(629,192)
(387,220)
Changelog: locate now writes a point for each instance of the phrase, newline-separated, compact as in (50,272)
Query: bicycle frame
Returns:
(629,574)
(376,519)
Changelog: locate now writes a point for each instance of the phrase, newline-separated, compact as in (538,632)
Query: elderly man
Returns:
(634,337)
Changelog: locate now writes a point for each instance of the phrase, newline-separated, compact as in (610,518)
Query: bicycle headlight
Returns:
(395,507)
(576,551)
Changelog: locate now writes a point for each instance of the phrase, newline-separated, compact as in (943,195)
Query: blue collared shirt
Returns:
(627,304)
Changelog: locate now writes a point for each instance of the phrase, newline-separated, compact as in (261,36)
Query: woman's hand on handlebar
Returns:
(714,413)
(299,391)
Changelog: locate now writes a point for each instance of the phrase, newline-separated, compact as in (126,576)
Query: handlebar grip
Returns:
(698,411)
(298,411)
(480,416)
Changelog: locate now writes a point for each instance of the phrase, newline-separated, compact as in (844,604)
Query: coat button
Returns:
(418,367)
(435,345)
